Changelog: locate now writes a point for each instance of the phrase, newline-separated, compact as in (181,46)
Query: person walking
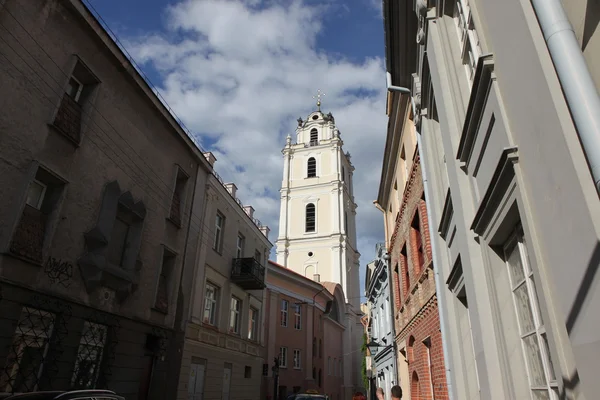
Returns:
(396,392)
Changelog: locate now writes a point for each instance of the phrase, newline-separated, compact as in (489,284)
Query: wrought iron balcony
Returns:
(248,274)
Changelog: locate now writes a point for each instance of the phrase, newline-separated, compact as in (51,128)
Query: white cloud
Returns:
(239,73)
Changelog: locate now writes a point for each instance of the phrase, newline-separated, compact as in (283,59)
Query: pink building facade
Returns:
(304,328)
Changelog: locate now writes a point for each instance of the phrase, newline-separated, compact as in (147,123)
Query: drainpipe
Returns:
(575,79)
(439,285)
(386,257)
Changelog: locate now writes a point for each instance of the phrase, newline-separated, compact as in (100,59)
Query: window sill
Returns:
(175,222)
(160,310)
(23,258)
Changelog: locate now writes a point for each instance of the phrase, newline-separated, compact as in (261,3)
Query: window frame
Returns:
(517,242)
(311,167)
(314,137)
(470,48)
(214,311)
(253,324)
(219,232)
(283,352)
(298,317)
(284,313)
(240,245)
(235,314)
(297,359)
(307,218)
(44,187)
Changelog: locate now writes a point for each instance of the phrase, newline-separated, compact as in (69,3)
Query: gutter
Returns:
(439,285)
(574,77)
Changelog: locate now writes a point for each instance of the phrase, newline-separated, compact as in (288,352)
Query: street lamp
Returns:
(373,347)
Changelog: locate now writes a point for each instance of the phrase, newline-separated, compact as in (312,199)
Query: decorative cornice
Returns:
(501,179)
(407,191)
(479,94)
(447,213)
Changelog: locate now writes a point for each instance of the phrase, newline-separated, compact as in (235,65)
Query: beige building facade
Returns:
(224,348)
(505,102)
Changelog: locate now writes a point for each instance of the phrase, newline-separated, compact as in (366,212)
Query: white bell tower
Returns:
(317,230)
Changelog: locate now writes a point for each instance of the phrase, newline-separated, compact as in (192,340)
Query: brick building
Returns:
(418,339)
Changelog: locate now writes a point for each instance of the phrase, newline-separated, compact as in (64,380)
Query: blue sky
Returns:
(239,69)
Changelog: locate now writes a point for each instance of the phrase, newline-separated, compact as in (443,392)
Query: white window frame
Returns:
(79,89)
(211,305)
(219,226)
(297,359)
(235,310)
(298,317)
(517,241)
(253,324)
(240,244)
(283,357)
(284,312)
(42,195)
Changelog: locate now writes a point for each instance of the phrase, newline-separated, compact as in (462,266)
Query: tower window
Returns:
(311,168)
(310,217)
(314,137)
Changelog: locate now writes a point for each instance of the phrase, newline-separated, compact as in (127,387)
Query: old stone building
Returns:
(224,338)
(97,210)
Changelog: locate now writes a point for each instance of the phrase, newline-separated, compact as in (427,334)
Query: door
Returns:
(196,381)
(226,381)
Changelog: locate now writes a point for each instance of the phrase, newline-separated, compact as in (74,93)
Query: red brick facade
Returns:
(415,304)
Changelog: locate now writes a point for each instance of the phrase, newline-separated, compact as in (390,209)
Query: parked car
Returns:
(62,395)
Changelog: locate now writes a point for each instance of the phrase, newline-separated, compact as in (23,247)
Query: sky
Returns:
(240,72)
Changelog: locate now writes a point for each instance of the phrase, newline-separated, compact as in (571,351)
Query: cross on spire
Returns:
(318,97)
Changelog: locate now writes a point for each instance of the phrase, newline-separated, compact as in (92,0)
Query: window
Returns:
(247,372)
(467,35)
(176,201)
(340,366)
(41,200)
(78,90)
(540,371)
(314,348)
(343,174)
(219,225)
(346,221)
(320,349)
(210,304)
(241,242)
(418,258)
(284,313)
(162,295)
(311,169)
(196,378)
(298,317)
(283,357)
(310,217)
(314,137)
(297,362)
(334,367)
(234,315)
(328,365)
(253,324)
(118,237)
(89,356)
(25,360)
(257,256)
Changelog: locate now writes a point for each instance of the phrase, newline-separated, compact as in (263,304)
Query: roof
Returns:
(400,29)
(295,274)
(330,286)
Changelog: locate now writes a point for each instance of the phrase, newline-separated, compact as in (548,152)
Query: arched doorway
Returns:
(415,387)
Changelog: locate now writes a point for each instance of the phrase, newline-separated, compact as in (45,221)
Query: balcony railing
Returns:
(28,239)
(68,118)
(248,274)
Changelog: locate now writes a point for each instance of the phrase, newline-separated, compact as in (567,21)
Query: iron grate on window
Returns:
(29,357)
(89,356)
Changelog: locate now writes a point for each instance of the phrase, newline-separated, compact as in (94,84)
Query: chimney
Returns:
(265,230)
(210,157)
(317,278)
(231,188)
(249,210)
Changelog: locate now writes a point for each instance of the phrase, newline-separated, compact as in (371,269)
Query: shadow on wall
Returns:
(592,17)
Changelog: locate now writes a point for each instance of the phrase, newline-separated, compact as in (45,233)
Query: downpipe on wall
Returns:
(574,77)
(439,285)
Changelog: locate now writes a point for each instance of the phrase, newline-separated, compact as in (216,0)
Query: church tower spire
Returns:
(317,230)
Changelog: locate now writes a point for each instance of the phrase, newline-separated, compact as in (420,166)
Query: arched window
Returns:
(310,217)
(314,137)
(311,170)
